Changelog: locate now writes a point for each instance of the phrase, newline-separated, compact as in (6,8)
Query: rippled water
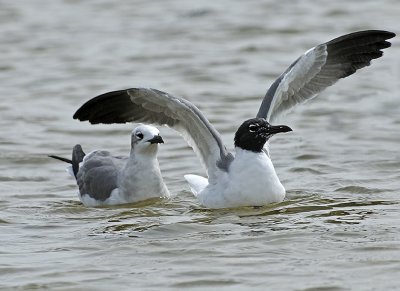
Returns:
(338,229)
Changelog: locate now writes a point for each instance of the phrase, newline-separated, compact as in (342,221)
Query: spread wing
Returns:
(321,67)
(154,106)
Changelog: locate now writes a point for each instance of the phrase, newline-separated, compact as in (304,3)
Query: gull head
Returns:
(145,139)
(254,133)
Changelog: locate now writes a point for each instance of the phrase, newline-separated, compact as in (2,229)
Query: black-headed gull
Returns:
(247,177)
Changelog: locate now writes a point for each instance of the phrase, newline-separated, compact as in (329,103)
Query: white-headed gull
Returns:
(104,179)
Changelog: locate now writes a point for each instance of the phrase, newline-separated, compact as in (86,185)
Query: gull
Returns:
(104,179)
(247,176)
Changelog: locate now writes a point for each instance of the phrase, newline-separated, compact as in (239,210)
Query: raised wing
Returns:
(154,106)
(321,67)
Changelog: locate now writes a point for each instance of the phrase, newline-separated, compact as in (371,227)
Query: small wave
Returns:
(309,170)
(308,157)
(359,190)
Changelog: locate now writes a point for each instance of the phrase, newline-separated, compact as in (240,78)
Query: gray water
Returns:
(338,228)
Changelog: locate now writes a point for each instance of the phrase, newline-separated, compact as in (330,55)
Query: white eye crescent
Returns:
(139,135)
(253,127)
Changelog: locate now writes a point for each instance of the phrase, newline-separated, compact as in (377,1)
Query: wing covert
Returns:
(157,107)
(321,67)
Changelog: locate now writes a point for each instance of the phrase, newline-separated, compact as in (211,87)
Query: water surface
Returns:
(338,229)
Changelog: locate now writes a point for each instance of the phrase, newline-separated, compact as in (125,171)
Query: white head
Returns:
(145,139)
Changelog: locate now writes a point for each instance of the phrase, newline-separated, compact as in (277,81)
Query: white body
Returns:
(104,179)
(250,181)
(142,168)
(139,180)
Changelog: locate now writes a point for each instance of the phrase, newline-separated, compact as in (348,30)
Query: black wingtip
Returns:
(94,109)
(356,50)
(384,33)
(389,34)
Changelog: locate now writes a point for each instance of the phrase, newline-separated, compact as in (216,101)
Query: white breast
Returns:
(140,181)
(251,181)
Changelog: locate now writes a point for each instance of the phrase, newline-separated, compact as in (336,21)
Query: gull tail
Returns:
(77,158)
(196,183)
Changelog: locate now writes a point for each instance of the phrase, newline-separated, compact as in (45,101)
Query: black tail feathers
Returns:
(77,157)
(61,159)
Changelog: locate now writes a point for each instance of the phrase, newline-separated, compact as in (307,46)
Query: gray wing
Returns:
(154,106)
(98,174)
(321,67)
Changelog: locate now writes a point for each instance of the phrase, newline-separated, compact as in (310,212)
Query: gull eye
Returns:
(139,135)
(253,127)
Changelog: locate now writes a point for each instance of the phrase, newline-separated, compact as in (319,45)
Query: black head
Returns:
(254,133)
